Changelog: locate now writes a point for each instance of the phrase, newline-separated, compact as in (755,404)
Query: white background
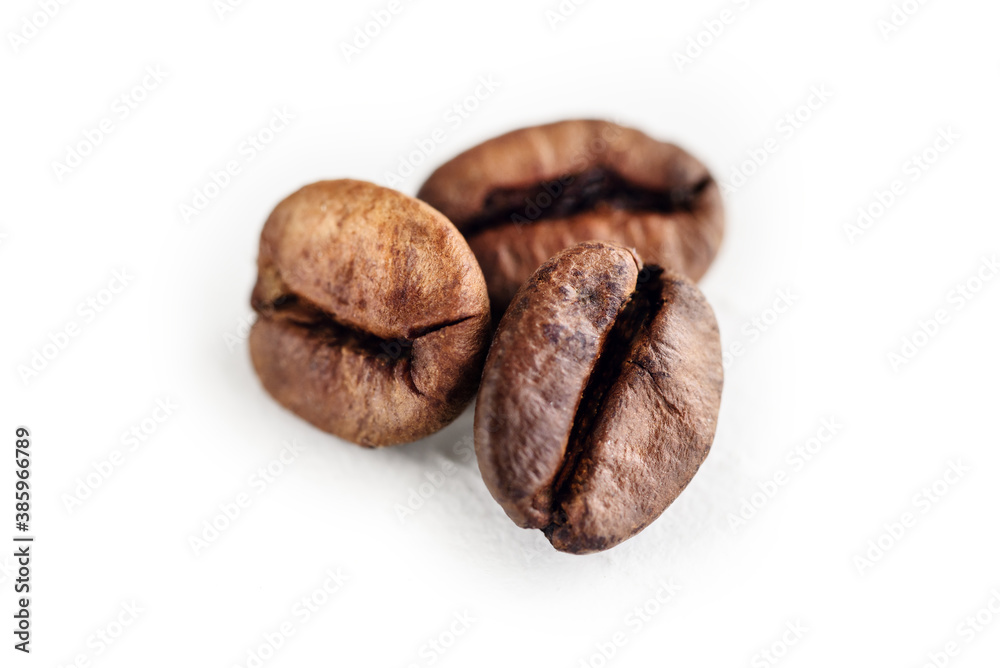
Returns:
(176,333)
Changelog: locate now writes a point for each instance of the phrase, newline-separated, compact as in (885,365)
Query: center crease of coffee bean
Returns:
(300,312)
(593,189)
(642,307)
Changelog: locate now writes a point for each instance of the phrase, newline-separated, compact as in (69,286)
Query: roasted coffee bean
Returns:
(373,314)
(522,197)
(599,398)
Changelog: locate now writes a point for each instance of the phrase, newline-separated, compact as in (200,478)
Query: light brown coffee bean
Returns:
(373,314)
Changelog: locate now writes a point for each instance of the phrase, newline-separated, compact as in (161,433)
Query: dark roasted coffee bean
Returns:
(521,198)
(373,314)
(599,397)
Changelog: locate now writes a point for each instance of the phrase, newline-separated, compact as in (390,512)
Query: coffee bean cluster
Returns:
(552,270)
